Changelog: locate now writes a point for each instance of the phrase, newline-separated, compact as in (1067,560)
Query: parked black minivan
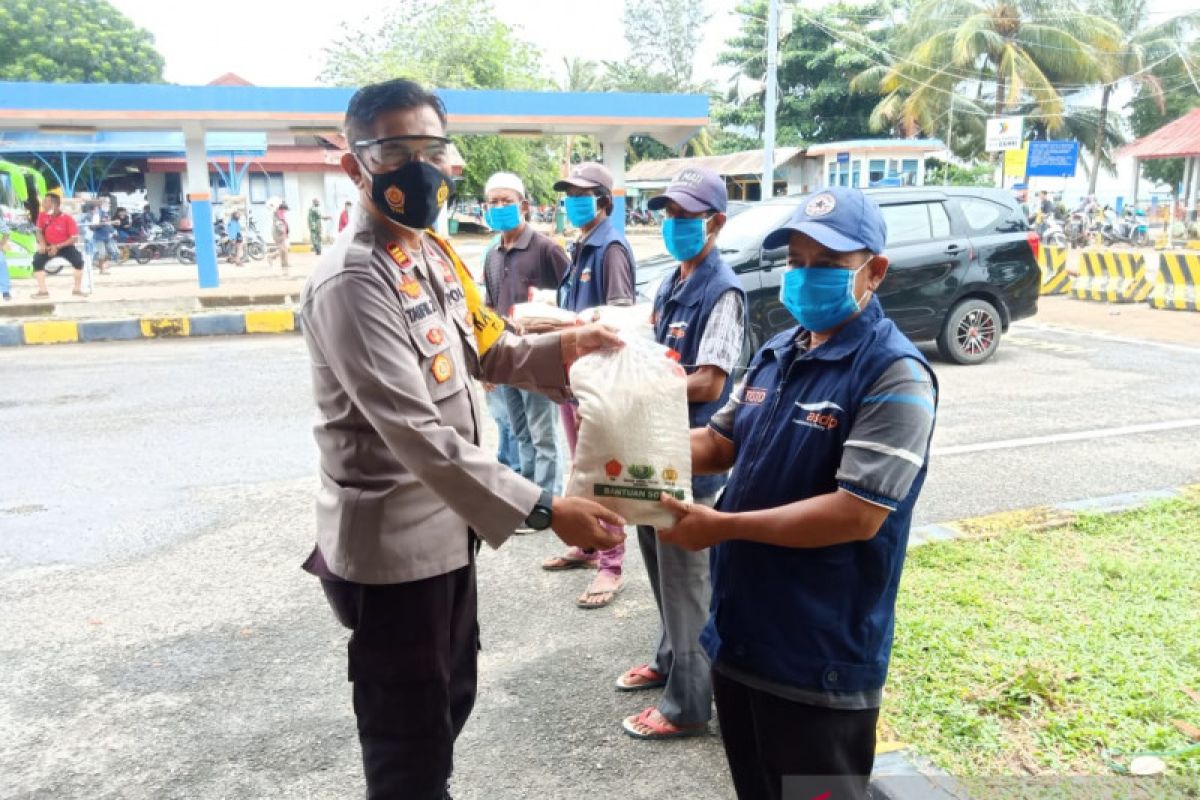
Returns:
(963,266)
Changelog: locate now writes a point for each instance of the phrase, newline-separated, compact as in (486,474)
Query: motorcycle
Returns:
(1077,230)
(1128,229)
(1053,233)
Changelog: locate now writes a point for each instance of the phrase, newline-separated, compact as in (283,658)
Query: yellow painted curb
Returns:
(51,332)
(270,321)
(888,747)
(163,327)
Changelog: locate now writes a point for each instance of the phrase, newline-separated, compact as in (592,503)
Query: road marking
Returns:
(1050,347)
(1107,337)
(1076,436)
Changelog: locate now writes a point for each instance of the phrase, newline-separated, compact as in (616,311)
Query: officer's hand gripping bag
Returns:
(633,436)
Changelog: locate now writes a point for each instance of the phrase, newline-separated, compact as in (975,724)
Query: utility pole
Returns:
(768,176)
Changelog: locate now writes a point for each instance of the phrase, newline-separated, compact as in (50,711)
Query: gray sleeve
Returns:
(889,441)
(722,421)
(557,262)
(618,277)
(721,342)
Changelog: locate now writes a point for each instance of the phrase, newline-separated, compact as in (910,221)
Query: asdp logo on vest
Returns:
(822,416)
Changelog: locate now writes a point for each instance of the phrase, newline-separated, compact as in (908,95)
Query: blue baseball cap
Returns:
(840,218)
(696,189)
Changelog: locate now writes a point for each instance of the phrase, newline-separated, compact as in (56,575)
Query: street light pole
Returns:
(768,176)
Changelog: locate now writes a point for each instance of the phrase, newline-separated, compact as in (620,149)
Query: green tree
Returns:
(1009,51)
(818,54)
(1141,47)
(1147,115)
(74,41)
(663,36)
(453,44)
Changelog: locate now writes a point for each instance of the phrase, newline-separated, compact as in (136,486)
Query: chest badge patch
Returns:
(442,369)
(677,330)
(436,336)
(409,286)
(586,275)
(754,396)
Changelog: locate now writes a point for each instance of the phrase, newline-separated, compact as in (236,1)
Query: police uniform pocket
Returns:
(442,376)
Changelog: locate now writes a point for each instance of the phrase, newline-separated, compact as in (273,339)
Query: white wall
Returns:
(156,189)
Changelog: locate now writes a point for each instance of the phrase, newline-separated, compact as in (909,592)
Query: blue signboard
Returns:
(1052,159)
(843,158)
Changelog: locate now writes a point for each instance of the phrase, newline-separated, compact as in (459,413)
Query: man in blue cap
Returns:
(828,440)
(699,312)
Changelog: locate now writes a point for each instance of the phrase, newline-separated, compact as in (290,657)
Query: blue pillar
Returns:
(200,197)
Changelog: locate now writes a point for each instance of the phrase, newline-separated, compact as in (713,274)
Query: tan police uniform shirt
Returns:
(403,478)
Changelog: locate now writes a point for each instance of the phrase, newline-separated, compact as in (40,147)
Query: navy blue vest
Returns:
(679,323)
(583,285)
(819,619)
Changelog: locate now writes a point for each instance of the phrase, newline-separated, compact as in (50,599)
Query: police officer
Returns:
(601,273)
(699,312)
(828,441)
(395,329)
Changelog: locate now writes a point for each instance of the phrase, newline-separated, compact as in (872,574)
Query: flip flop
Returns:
(639,678)
(661,728)
(560,563)
(585,601)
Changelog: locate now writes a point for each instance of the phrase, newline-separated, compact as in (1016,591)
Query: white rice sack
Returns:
(629,320)
(633,435)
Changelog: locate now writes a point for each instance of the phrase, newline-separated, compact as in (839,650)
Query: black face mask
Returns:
(412,195)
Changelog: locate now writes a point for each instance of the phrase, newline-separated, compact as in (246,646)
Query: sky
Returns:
(269,48)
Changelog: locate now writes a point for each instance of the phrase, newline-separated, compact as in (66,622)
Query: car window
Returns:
(909,222)
(939,220)
(747,230)
(981,214)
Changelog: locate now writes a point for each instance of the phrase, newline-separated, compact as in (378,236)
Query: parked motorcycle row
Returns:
(1084,228)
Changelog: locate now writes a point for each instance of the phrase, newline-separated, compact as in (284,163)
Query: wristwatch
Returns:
(540,518)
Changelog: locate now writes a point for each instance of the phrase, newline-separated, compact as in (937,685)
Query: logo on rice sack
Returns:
(641,472)
(613,469)
(670,474)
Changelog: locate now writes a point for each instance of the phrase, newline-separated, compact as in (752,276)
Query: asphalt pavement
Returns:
(160,641)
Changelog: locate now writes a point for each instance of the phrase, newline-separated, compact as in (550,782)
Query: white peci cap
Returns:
(505,180)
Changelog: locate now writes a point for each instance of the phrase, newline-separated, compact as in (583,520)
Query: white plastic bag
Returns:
(633,435)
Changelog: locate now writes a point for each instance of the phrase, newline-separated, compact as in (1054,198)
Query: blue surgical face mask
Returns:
(820,298)
(684,238)
(504,218)
(581,210)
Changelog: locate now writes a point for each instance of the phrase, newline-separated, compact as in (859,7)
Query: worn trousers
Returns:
(679,579)
(784,750)
(534,424)
(413,664)
(612,560)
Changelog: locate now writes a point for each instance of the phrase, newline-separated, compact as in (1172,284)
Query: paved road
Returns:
(158,639)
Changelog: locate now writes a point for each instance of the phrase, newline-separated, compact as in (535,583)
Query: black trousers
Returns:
(782,750)
(413,662)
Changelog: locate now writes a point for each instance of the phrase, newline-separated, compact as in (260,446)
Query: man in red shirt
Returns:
(344,219)
(56,237)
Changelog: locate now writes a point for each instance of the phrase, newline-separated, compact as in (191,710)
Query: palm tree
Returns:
(1132,57)
(1021,51)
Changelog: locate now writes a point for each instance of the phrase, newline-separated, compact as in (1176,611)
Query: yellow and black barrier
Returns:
(1177,286)
(1052,261)
(1111,277)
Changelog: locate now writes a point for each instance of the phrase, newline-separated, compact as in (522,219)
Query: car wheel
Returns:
(971,332)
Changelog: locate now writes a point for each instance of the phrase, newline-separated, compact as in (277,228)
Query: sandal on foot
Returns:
(593,598)
(639,678)
(560,563)
(650,724)
(39,295)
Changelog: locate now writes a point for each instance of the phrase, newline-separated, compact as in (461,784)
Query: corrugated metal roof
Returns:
(1180,138)
(747,162)
(924,145)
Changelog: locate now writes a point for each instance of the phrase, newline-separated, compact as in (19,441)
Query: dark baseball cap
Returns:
(587,176)
(695,189)
(840,218)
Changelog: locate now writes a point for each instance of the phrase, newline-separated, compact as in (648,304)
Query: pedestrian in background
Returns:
(316,230)
(234,231)
(344,217)
(280,234)
(600,273)
(523,259)
(57,234)
(5,279)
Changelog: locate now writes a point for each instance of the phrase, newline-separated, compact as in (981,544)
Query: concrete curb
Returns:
(1040,517)
(232,323)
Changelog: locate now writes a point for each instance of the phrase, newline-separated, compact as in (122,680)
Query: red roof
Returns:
(1180,138)
(230,79)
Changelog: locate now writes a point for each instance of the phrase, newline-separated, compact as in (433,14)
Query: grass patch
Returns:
(1029,653)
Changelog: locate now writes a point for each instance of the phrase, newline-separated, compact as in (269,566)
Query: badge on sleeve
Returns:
(442,369)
